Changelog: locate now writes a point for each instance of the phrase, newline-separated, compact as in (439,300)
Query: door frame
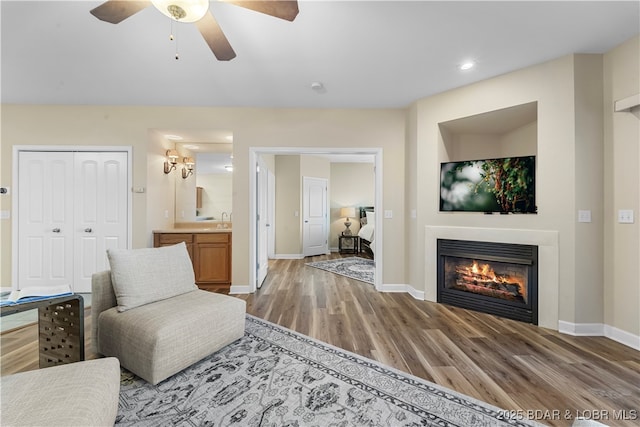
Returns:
(17,149)
(255,152)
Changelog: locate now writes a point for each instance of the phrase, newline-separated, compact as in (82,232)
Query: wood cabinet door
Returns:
(212,262)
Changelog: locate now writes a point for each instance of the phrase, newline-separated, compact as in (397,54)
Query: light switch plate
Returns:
(388,214)
(584,216)
(5,214)
(625,216)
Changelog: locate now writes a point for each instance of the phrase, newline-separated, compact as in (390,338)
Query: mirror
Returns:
(205,196)
(214,184)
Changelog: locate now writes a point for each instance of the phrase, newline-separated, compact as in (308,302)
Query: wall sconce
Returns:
(172,159)
(188,167)
(347,213)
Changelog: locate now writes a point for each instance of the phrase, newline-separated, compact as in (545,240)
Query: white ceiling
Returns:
(368,54)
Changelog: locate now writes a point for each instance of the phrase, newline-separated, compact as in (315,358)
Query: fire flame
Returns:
(485,274)
(485,270)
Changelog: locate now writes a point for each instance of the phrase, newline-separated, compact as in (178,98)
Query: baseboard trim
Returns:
(623,337)
(419,295)
(599,330)
(288,256)
(239,289)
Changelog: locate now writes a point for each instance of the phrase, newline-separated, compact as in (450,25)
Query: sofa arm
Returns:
(102,298)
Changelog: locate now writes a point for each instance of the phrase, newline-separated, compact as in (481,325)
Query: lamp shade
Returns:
(172,154)
(348,212)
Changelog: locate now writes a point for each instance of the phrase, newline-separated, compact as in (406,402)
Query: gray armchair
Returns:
(149,314)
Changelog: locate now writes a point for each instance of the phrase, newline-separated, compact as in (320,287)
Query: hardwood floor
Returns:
(509,364)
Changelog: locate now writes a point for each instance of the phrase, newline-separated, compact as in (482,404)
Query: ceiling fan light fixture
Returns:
(182,10)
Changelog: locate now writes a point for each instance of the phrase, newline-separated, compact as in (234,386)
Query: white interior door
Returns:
(263,222)
(314,214)
(45,219)
(72,207)
(100,212)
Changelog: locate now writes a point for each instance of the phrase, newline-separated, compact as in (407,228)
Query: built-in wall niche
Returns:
(508,132)
(488,162)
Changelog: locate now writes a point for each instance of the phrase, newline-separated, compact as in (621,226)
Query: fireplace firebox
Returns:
(494,278)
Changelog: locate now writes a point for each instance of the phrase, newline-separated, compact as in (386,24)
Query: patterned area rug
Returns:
(353,267)
(276,377)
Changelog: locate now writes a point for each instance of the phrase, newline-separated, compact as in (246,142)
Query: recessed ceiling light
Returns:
(467,65)
(173,137)
(191,146)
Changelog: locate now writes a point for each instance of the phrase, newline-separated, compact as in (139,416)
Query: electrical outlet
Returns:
(625,216)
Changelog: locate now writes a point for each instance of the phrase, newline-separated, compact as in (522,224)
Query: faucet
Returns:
(223,214)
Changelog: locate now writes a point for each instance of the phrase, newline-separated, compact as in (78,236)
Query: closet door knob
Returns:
(88,230)
(56,230)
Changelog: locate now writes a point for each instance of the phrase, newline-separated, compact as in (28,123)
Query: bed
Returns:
(367,229)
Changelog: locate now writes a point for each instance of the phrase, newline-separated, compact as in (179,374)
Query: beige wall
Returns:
(621,189)
(130,126)
(589,238)
(352,185)
(576,128)
(288,233)
(551,85)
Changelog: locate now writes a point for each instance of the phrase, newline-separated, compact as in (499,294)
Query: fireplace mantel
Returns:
(548,261)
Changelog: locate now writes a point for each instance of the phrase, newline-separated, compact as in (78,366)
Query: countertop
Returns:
(194,230)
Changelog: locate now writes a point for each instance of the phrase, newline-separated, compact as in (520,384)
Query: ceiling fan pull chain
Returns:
(173,38)
(177,56)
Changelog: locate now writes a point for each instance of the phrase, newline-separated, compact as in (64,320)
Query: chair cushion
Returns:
(143,276)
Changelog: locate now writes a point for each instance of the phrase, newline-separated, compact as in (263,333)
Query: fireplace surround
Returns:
(491,277)
(548,258)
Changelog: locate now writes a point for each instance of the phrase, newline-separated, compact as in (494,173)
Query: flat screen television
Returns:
(504,185)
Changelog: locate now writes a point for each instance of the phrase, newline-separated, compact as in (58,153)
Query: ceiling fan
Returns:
(196,11)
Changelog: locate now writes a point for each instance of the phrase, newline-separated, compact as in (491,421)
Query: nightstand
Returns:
(348,244)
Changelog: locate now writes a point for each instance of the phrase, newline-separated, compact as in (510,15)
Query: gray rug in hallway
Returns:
(353,267)
(276,377)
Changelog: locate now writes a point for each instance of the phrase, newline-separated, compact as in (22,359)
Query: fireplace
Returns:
(494,278)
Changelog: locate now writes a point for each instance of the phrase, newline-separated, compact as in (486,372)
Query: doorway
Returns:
(256,152)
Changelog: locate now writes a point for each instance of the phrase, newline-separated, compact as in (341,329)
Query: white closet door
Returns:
(72,207)
(101,192)
(45,220)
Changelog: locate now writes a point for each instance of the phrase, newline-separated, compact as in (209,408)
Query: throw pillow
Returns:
(143,276)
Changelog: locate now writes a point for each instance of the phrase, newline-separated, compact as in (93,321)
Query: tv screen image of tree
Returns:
(505,185)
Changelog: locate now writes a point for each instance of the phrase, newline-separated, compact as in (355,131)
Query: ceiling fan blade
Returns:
(283,9)
(215,38)
(115,11)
